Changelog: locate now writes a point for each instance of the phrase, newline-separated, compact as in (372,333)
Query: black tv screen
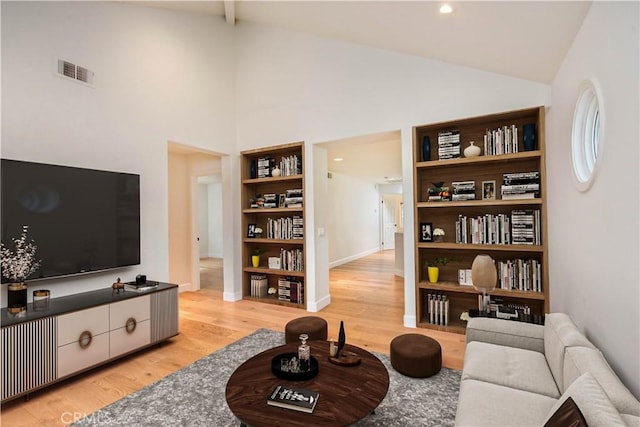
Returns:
(81,220)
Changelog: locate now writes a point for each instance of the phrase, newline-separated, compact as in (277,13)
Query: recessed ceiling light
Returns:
(445,9)
(338,159)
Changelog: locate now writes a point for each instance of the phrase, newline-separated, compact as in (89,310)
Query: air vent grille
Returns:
(76,72)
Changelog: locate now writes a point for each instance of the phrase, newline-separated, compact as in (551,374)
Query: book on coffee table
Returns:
(298,399)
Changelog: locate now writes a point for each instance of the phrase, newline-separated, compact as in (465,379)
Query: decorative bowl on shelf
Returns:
(277,363)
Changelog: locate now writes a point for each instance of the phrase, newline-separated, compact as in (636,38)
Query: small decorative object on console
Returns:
(17,266)
(344,358)
(117,286)
(41,299)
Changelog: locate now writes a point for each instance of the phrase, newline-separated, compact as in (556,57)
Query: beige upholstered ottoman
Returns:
(314,326)
(416,355)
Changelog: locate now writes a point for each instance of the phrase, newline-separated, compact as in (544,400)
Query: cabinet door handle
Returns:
(131,324)
(85,339)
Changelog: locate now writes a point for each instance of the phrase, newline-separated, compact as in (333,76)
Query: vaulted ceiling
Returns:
(522,39)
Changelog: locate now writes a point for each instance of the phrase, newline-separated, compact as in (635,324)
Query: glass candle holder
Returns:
(17,299)
(41,299)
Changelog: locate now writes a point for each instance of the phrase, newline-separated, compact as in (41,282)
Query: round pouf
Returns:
(315,327)
(416,355)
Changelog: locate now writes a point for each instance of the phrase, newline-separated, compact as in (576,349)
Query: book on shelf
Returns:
(295,398)
(437,309)
(259,285)
(291,289)
(503,140)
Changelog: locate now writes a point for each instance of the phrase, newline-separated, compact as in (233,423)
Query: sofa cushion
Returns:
(567,415)
(631,420)
(579,360)
(592,401)
(559,333)
(510,367)
(506,332)
(486,404)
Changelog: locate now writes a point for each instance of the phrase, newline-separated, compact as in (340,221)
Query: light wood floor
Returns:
(364,294)
(211,276)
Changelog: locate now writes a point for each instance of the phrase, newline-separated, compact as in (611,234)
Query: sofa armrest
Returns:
(509,333)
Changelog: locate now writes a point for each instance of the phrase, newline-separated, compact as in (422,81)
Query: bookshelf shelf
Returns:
(447,215)
(276,222)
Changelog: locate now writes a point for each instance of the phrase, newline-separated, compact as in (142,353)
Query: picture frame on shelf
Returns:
(426,232)
(488,190)
(281,200)
(251,231)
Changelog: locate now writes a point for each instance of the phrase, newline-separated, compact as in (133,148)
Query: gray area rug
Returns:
(195,395)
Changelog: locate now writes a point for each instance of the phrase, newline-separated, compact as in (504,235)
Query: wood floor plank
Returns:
(365,294)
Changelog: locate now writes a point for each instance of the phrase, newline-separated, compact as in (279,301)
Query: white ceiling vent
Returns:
(75,72)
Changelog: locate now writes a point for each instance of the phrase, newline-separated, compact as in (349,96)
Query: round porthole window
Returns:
(588,127)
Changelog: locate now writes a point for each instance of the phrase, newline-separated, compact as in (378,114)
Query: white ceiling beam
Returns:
(230,11)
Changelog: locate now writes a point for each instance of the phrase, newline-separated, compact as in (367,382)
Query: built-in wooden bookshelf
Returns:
(446,214)
(282,236)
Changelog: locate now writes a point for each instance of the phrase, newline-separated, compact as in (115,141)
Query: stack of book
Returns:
(298,399)
(293,198)
(265,164)
(437,309)
(140,287)
(291,165)
(438,194)
(291,289)
(503,140)
(463,190)
(525,227)
(520,185)
(270,200)
(259,285)
(449,145)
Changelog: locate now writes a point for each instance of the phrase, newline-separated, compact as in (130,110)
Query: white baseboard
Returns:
(231,296)
(353,257)
(185,287)
(409,321)
(315,306)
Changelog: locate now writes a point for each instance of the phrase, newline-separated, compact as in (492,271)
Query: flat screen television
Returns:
(81,220)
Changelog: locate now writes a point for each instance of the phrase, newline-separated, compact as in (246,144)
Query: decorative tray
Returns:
(276,368)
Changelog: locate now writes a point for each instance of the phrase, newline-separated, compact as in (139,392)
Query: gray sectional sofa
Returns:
(519,374)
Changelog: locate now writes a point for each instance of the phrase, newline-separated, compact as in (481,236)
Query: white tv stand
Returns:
(82,331)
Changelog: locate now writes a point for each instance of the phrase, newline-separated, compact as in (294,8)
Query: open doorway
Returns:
(363,172)
(195,215)
(209,232)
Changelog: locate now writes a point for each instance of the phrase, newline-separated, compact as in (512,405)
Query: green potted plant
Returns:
(255,257)
(433,267)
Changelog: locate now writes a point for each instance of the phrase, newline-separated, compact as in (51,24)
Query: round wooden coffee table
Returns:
(347,394)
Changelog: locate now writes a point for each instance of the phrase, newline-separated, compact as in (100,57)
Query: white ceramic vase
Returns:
(275,172)
(472,150)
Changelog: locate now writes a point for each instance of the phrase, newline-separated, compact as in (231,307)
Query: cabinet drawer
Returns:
(70,326)
(72,357)
(129,338)
(136,308)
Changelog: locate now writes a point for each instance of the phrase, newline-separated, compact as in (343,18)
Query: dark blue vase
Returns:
(426,148)
(529,136)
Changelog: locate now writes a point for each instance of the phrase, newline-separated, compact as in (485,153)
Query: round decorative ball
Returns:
(472,150)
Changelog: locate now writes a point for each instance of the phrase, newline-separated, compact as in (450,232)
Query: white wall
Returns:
(179,195)
(215,227)
(159,75)
(203,220)
(353,226)
(292,86)
(593,236)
